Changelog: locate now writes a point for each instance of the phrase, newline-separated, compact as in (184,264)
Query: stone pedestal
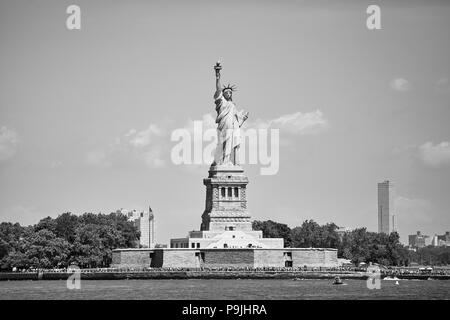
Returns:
(226,201)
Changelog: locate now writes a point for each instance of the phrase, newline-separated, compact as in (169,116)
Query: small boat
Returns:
(338,280)
(396,282)
(391,278)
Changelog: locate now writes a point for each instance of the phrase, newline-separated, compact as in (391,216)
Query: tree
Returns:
(10,236)
(87,240)
(66,225)
(330,237)
(308,235)
(87,248)
(272,229)
(41,249)
(46,224)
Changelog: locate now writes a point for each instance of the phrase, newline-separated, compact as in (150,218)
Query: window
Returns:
(198,244)
(236,192)
(222,191)
(151,255)
(192,245)
(229,192)
(231,228)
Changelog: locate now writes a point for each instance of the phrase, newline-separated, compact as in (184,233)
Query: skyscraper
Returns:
(386,209)
(145,223)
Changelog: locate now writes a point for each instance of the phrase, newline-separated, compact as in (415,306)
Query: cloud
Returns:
(152,145)
(147,146)
(296,123)
(400,84)
(145,137)
(8,143)
(435,155)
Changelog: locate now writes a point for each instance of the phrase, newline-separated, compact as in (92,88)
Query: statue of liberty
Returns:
(229,121)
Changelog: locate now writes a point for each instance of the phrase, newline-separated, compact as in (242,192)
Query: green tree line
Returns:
(86,240)
(358,245)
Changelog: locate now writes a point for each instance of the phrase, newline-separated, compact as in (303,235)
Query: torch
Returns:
(218,67)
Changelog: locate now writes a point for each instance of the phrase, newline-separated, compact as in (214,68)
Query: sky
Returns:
(86,116)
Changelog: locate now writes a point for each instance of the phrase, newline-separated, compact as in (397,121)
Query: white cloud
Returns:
(147,146)
(8,143)
(145,137)
(435,155)
(297,123)
(400,84)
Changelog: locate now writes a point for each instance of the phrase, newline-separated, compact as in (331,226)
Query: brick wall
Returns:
(131,258)
(182,258)
(216,258)
(331,258)
(314,257)
(269,258)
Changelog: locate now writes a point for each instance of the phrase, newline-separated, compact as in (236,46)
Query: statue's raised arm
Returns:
(217,68)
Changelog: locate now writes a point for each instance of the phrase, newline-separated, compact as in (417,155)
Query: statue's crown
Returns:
(229,87)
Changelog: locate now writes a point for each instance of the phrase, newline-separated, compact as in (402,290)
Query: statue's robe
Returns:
(228,132)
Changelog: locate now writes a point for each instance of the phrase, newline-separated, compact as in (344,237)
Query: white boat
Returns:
(391,278)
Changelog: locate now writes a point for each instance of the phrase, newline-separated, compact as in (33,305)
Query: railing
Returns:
(383,272)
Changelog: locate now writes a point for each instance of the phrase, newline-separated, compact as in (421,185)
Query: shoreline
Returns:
(161,275)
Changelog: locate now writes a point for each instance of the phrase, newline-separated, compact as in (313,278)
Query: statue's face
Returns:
(227,94)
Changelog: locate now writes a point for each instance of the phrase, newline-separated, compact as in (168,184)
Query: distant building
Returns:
(341,231)
(435,241)
(386,207)
(441,240)
(145,223)
(417,240)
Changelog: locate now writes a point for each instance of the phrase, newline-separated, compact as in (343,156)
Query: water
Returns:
(224,289)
